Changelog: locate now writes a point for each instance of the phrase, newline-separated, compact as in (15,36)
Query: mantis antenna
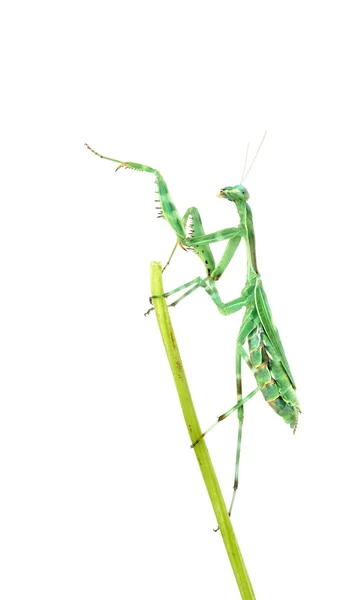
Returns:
(252,163)
(245,163)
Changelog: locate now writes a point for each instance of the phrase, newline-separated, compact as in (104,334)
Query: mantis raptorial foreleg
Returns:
(201,243)
(199,240)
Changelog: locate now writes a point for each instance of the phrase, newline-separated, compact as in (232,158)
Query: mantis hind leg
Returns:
(247,326)
(241,354)
(240,415)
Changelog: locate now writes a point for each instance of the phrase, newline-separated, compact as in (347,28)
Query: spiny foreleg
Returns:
(200,243)
(167,207)
(198,240)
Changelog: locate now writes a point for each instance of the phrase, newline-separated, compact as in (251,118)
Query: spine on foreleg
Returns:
(272,378)
(168,208)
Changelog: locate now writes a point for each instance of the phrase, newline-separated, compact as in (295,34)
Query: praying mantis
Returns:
(265,356)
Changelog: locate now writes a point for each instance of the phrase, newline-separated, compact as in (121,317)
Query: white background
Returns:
(101,497)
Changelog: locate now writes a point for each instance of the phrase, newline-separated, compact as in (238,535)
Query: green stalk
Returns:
(194,430)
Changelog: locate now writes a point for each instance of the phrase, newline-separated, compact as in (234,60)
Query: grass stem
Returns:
(194,430)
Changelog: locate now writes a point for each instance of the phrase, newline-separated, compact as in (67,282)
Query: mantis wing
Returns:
(271,331)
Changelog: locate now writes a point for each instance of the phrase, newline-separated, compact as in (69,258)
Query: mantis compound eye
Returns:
(243,191)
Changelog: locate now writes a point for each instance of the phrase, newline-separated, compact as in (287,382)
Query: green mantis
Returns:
(265,355)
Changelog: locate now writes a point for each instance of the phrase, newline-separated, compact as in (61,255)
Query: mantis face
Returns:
(238,192)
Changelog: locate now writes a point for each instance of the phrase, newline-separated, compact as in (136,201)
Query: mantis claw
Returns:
(198,440)
(120,166)
(151,298)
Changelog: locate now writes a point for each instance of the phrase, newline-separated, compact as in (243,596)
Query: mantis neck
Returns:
(247,223)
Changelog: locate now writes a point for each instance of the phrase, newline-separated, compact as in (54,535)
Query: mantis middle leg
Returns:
(225,308)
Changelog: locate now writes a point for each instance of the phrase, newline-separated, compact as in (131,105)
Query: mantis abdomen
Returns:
(272,378)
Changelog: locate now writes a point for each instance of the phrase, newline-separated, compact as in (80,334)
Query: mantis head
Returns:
(238,192)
